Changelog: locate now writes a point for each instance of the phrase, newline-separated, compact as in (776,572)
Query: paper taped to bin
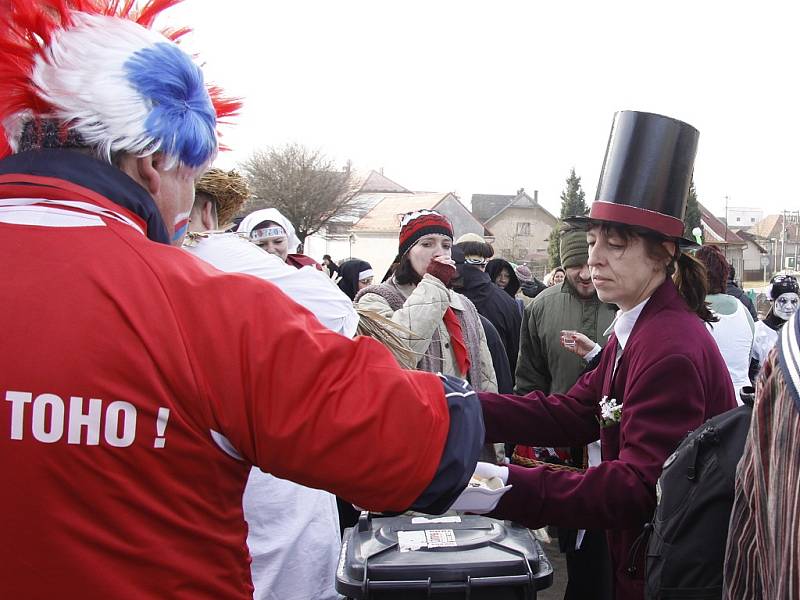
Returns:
(409,541)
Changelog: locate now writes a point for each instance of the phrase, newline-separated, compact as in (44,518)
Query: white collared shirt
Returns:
(624,322)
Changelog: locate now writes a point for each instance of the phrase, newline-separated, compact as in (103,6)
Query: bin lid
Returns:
(439,550)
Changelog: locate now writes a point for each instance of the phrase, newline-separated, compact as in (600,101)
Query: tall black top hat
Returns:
(646,174)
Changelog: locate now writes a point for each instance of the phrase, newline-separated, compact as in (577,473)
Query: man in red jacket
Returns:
(140,384)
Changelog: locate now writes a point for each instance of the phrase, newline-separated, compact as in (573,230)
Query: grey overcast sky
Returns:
(491,96)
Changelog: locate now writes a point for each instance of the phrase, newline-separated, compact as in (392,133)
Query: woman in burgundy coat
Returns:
(660,374)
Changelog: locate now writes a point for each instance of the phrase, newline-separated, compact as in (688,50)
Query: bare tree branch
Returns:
(303,184)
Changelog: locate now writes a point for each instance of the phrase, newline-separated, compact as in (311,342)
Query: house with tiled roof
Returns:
(375,234)
(779,234)
(335,238)
(521,226)
(716,232)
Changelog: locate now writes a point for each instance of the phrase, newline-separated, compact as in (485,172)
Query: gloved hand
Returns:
(486,470)
(443,268)
(479,499)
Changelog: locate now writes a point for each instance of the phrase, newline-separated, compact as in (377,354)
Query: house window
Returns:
(738,219)
(752,219)
(521,253)
(523,228)
(338,228)
(506,252)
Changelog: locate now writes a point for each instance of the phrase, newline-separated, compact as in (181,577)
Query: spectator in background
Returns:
(475,250)
(733,332)
(491,301)
(734,290)
(763,554)
(355,274)
(497,349)
(783,298)
(554,277)
(530,286)
(502,273)
(273,232)
(330,266)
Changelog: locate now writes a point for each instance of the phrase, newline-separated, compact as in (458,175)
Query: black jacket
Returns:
(499,358)
(494,304)
(737,292)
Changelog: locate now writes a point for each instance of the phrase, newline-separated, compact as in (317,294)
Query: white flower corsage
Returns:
(610,412)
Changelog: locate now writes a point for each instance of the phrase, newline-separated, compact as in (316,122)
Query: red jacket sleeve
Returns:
(307,404)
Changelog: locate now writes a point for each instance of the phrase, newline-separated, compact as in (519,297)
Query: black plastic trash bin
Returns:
(466,556)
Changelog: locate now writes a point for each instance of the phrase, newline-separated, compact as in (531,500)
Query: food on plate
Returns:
(492,483)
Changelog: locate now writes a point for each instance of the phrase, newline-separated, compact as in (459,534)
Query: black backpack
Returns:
(689,531)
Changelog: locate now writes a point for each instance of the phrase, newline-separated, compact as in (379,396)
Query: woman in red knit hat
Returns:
(444,329)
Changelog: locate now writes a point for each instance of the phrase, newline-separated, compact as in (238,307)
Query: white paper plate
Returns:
(479,500)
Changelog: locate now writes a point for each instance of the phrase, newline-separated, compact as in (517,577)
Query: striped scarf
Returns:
(763,553)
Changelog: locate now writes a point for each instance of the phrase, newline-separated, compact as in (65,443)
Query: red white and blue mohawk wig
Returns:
(91,73)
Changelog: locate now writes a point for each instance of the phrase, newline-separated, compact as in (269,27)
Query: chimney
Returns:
(536,196)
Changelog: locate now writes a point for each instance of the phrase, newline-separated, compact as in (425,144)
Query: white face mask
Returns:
(786,305)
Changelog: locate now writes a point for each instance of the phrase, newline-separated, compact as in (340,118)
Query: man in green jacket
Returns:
(545,365)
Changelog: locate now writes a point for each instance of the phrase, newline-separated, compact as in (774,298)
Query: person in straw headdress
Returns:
(141,384)
(284,519)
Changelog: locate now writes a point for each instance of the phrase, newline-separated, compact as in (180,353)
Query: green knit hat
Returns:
(574,248)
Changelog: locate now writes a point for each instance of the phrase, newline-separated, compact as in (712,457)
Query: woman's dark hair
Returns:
(405,274)
(688,273)
(717,268)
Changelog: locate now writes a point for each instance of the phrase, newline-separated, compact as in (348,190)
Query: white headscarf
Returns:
(270,214)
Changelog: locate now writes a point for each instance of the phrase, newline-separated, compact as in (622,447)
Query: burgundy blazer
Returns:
(671,378)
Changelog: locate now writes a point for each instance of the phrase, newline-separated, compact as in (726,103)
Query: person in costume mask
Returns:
(784,299)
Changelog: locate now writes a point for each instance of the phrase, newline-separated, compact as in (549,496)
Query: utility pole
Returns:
(783,240)
(726,228)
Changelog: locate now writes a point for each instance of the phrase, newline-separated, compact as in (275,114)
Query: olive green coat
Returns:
(543,364)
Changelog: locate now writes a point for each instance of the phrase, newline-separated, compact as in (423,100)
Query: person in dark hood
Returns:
(356,275)
(500,309)
(503,276)
(734,290)
(505,379)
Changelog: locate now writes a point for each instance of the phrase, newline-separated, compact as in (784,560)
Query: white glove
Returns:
(479,499)
(486,470)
